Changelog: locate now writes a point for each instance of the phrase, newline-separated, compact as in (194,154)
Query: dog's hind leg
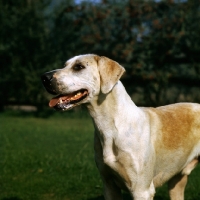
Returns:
(176,187)
(177,184)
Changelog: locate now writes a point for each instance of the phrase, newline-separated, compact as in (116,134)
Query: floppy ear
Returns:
(110,72)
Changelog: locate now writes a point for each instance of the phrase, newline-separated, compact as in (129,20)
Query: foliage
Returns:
(157,43)
(23,51)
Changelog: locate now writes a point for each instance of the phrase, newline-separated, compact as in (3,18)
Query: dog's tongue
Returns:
(53,102)
(57,99)
(67,98)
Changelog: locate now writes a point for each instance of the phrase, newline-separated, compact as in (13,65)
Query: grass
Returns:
(52,159)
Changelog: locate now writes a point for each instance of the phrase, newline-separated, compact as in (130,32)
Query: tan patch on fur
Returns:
(110,72)
(176,124)
(110,66)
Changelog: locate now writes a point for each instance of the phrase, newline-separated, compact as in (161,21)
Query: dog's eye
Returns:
(78,67)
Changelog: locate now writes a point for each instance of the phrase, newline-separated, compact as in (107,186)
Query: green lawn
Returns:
(52,159)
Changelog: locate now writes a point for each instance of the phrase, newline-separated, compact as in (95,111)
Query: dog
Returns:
(136,148)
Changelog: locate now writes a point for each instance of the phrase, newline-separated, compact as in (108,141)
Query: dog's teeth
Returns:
(78,94)
(60,101)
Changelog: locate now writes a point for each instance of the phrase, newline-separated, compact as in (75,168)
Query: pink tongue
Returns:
(53,102)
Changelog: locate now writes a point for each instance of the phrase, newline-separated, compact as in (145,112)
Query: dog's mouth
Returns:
(68,101)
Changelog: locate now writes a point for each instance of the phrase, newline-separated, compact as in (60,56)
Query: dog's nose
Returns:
(48,76)
(49,81)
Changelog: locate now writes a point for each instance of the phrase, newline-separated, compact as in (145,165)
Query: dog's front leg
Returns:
(111,190)
(137,175)
(142,186)
(144,194)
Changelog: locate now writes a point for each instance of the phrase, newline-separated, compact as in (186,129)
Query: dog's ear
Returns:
(110,72)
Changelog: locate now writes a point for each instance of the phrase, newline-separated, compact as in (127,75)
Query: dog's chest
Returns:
(118,166)
(112,162)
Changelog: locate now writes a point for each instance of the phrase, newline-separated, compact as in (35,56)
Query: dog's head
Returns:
(81,80)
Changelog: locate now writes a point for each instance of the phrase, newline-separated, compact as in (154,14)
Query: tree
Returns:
(23,51)
(154,41)
(157,43)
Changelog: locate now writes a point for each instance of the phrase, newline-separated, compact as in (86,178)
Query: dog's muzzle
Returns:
(63,101)
(49,82)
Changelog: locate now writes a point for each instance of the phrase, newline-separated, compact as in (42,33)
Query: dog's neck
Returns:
(106,108)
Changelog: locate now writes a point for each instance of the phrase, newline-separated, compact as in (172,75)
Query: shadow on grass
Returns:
(125,197)
(11,198)
(128,197)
